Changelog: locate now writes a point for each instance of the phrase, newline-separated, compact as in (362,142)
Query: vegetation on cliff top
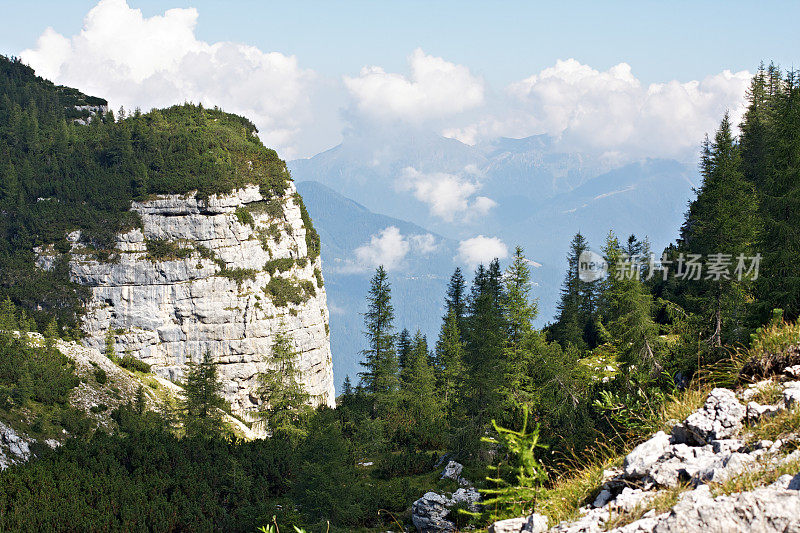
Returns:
(58,175)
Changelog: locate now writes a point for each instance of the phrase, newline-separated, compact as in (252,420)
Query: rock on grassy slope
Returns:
(732,465)
(103,386)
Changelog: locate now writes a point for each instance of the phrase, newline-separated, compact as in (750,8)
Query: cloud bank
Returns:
(449,196)
(389,248)
(611,111)
(481,249)
(435,89)
(139,61)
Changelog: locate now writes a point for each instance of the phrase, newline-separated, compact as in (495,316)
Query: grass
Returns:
(769,394)
(754,478)
(773,428)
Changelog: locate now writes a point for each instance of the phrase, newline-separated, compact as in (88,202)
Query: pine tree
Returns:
(202,405)
(450,361)
(419,402)
(627,308)
(520,313)
(403,348)
(778,284)
(576,310)
(51,335)
(456,299)
(284,402)
(721,220)
(380,377)
(487,335)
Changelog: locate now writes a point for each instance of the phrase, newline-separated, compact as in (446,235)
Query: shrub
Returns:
(238,274)
(282,264)
(283,291)
(131,363)
(318,275)
(204,251)
(100,376)
(244,217)
(164,249)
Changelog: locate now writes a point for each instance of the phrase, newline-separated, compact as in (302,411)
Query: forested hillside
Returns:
(59,175)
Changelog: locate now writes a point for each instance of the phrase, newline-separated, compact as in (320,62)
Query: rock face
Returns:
(14,448)
(220,277)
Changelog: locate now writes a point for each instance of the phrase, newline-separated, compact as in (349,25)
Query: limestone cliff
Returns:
(221,276)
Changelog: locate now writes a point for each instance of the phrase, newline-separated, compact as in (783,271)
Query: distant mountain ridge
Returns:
(544,196)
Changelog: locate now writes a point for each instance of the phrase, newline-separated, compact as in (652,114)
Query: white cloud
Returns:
(449,196)
(481,249)
(389,248)
(157,61)
(436,88)
(611,111)
(424,244)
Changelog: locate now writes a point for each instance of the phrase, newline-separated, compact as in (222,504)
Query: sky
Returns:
(626,79)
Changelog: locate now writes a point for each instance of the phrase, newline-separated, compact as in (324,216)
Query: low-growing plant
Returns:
(244,217)
(165,249)
(282,264)
(100,376)
(131,363)
(283,291)
(239,275)
(318,275)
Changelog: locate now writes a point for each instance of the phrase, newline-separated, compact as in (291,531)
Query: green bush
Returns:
(100,376)
(283,291)
(318,275)
(244,217)
(164,249)
(133,364)
(238,274)
(282,264)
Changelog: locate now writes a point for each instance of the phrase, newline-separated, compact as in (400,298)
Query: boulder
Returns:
(452,471)
(720,418)
(791,394)
(534,523)
(642,458)
(429,514)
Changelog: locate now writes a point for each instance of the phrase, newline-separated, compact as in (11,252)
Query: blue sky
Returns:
(500,44)
(501,40)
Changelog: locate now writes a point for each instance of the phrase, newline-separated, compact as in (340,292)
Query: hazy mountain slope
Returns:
(544,197)
(418,283)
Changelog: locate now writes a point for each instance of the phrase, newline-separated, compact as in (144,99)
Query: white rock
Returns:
(173,311)
(720,418)
(644,456)
(452,470)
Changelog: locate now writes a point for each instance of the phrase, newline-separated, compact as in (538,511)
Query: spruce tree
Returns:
(520,312)
(380,377)
(575,317)
(456,299)
(420,403)
(450,361)
(627,314)
(487,335)
(403,348)
(778,284)
(720,226)
(284,402)
(202,405)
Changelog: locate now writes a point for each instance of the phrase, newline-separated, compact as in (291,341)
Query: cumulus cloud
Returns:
(157,61)
(436,88)
(481,249)
(612,111)
(449,196)
(389,248)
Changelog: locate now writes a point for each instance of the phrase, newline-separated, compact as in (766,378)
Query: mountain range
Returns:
(538,197)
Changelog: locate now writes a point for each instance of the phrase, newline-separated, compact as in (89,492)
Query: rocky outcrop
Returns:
(431,513)
(14,448)
(221,276)
(709,446)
